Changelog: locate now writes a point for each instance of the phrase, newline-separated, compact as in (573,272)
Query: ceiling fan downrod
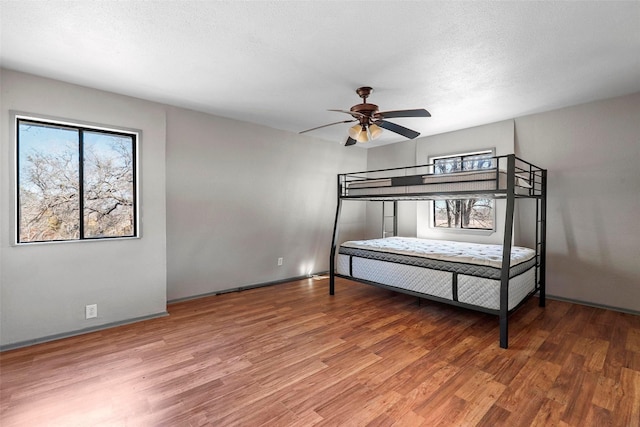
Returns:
(364,92)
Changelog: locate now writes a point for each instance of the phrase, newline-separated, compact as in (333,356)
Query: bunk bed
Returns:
(495,279)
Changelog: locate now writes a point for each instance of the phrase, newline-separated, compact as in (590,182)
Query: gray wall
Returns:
(384,157)
(44,287)
(592,153)
(239,196)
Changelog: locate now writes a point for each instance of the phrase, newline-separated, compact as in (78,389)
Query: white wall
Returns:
(392,156)
(44,287)
(239,196)
(592,153)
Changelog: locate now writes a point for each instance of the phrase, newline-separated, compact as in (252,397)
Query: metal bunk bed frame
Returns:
(515,167)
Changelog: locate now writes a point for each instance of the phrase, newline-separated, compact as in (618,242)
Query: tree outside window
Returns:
(74,183)
(464,213)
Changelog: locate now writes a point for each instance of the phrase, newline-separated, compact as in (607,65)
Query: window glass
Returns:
(447,165)
(464,213)
(59,163)
(48,189)
(108,185)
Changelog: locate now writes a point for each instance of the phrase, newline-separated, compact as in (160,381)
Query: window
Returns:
(475,214)
(74,182)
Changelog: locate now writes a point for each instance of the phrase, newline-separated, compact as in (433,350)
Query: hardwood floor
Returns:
(291,355)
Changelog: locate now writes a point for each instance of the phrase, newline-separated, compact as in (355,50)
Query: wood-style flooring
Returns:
(291,355)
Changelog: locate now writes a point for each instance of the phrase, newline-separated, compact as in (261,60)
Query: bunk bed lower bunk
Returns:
(494,279)
(460,272)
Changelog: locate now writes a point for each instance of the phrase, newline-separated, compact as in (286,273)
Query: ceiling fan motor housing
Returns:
(364,112)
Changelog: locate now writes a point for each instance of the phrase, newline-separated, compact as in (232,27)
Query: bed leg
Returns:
(332,284)
(504,331)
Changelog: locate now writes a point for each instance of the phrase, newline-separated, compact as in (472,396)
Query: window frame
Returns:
(460,229)
(80,127)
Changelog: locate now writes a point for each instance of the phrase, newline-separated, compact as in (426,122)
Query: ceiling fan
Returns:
(371,121)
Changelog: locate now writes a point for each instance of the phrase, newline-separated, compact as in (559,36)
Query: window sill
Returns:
(467,231)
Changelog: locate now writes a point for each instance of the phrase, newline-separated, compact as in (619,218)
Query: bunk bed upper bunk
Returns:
(425,182)
(421,267)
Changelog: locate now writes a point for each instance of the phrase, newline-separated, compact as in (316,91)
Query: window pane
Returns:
(478,161)
(448,213)
(108,185)
(448,165)
(477,213)
(47,182)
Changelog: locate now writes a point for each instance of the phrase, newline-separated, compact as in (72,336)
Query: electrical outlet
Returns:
(91,311)
(280,261)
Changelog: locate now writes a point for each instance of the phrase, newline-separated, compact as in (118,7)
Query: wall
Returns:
(44,287)
(592,153)
(392,156)
(240,196)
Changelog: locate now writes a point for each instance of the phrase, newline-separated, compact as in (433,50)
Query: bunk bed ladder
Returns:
(389,218)
(541,238)
(541,229)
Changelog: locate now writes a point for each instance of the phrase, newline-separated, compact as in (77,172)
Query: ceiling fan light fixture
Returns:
(375,131)
(355,130)
(363,133)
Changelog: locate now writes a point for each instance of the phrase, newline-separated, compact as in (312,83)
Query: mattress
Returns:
(458,271)
(478,180)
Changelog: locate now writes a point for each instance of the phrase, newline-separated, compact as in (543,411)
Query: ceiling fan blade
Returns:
(330,124)
(401,130)
(350,141)
(349,112)
(421,112)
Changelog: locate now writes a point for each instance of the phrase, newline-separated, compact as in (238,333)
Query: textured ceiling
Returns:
(283,64)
